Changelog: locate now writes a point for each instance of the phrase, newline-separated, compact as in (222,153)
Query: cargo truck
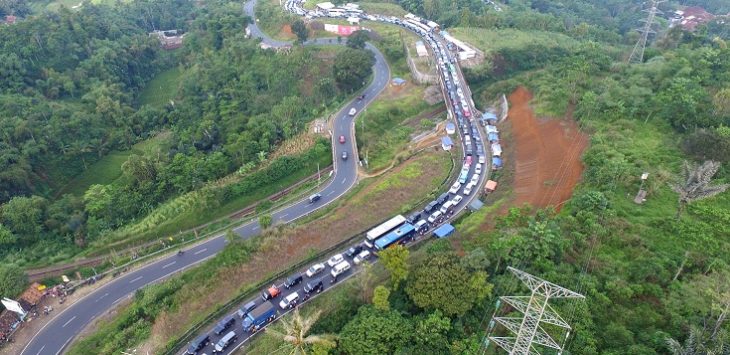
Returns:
(257,318)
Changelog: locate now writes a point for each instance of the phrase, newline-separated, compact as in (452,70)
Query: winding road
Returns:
(61,330)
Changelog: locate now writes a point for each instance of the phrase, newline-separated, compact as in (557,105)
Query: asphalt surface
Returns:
(61,330)
(465,126)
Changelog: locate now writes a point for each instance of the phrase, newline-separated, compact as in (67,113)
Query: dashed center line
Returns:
(201,251)
(69,321)
(136,279)
(169,264)
(102,297)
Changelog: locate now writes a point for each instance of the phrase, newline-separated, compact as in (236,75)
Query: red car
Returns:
(468,160)
(342,139)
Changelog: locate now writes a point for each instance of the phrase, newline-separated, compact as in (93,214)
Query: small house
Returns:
(490,186)
(447,143)
(450,128)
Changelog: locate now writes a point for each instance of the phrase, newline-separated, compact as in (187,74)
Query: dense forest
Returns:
(70,95)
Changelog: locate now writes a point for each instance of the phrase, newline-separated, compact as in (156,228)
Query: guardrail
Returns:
(173,346)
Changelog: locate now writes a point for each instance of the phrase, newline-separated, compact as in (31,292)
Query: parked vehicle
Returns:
(478,169)
(352,112)
(261,315)
(447,208)
(352,252)
(457,199)
(198,344)
(455,187)
(443,198)
(435,217)
(474,179)
(293,280)
(430,207)
(227,340)
(223,325)
(414,217)
(314,198)
(335,259)
(421,226)
(315,269)
(289,301)
(270,293)
(481,159)
(340,268)
(313,286)
(359,258)
(248,307)
(467,189)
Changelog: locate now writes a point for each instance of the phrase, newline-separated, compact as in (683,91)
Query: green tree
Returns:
(695,183)
(7,238)
(24,215)
(265,221)
(431,334)
(357,39)
(352,67)
(13,280)
(295,334)
(380,298)
(395,260)
(685,104)
(374,331)
(438,282)
(300,29)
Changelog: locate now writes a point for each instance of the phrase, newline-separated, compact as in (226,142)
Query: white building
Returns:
(325,6)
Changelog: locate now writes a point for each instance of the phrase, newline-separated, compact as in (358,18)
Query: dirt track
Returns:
(547,154)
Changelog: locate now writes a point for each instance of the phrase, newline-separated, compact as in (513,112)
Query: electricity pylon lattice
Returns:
(536,312)
(637,54)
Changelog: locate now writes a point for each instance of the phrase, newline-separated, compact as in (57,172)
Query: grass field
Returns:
(162,89)
(491,41)
(109,168)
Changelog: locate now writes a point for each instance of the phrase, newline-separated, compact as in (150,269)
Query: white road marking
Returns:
(136,279)
(284,215)
(169,264)
(255,228)
(200,251)
(41,350)
(343,180)
(100,298)
(69,321)
(330,193)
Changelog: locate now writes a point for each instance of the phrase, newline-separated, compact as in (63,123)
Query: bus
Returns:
(400,235)
(464,176)
(384,228)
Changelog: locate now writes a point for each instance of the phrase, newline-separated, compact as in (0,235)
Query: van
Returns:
(224,342)
(340,268)
(289,301)
(443,198)
(313,286)
(198,344)
(223,325)
(248,307)
(421,226)
(435,217)
(446,208)
(430,207)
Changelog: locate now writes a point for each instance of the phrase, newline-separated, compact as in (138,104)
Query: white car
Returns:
(481,159)
(455,188)
(457,199)
(478,169)
(467,189)
(352,112)
(434,217)
(364,255)
(335,259)
(315,269)
(340,268)
(474,179)
(289,301)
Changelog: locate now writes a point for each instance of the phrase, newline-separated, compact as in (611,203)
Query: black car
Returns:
(223,325)
(313,286)
(414,217)
(293,280)
(443,198)
(353,251)
(198,344)
(430,207)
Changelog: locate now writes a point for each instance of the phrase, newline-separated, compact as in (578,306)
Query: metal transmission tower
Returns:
(536,310)
(637,54)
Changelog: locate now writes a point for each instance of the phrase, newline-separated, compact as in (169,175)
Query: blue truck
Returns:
(257,318)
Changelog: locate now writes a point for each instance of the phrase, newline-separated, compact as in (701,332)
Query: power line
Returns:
(528,331)
(637,54)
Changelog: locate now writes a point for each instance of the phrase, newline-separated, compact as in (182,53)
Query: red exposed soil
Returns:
(547,154)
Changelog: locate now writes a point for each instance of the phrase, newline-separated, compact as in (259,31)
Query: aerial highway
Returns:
(232,331)
(55,336)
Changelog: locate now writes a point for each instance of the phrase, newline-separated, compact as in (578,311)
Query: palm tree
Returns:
(694,183)
(698,344)
(295,333)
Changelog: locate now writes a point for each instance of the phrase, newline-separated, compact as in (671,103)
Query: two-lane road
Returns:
(60,331)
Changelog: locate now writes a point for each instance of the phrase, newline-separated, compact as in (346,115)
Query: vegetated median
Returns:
(165,311)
